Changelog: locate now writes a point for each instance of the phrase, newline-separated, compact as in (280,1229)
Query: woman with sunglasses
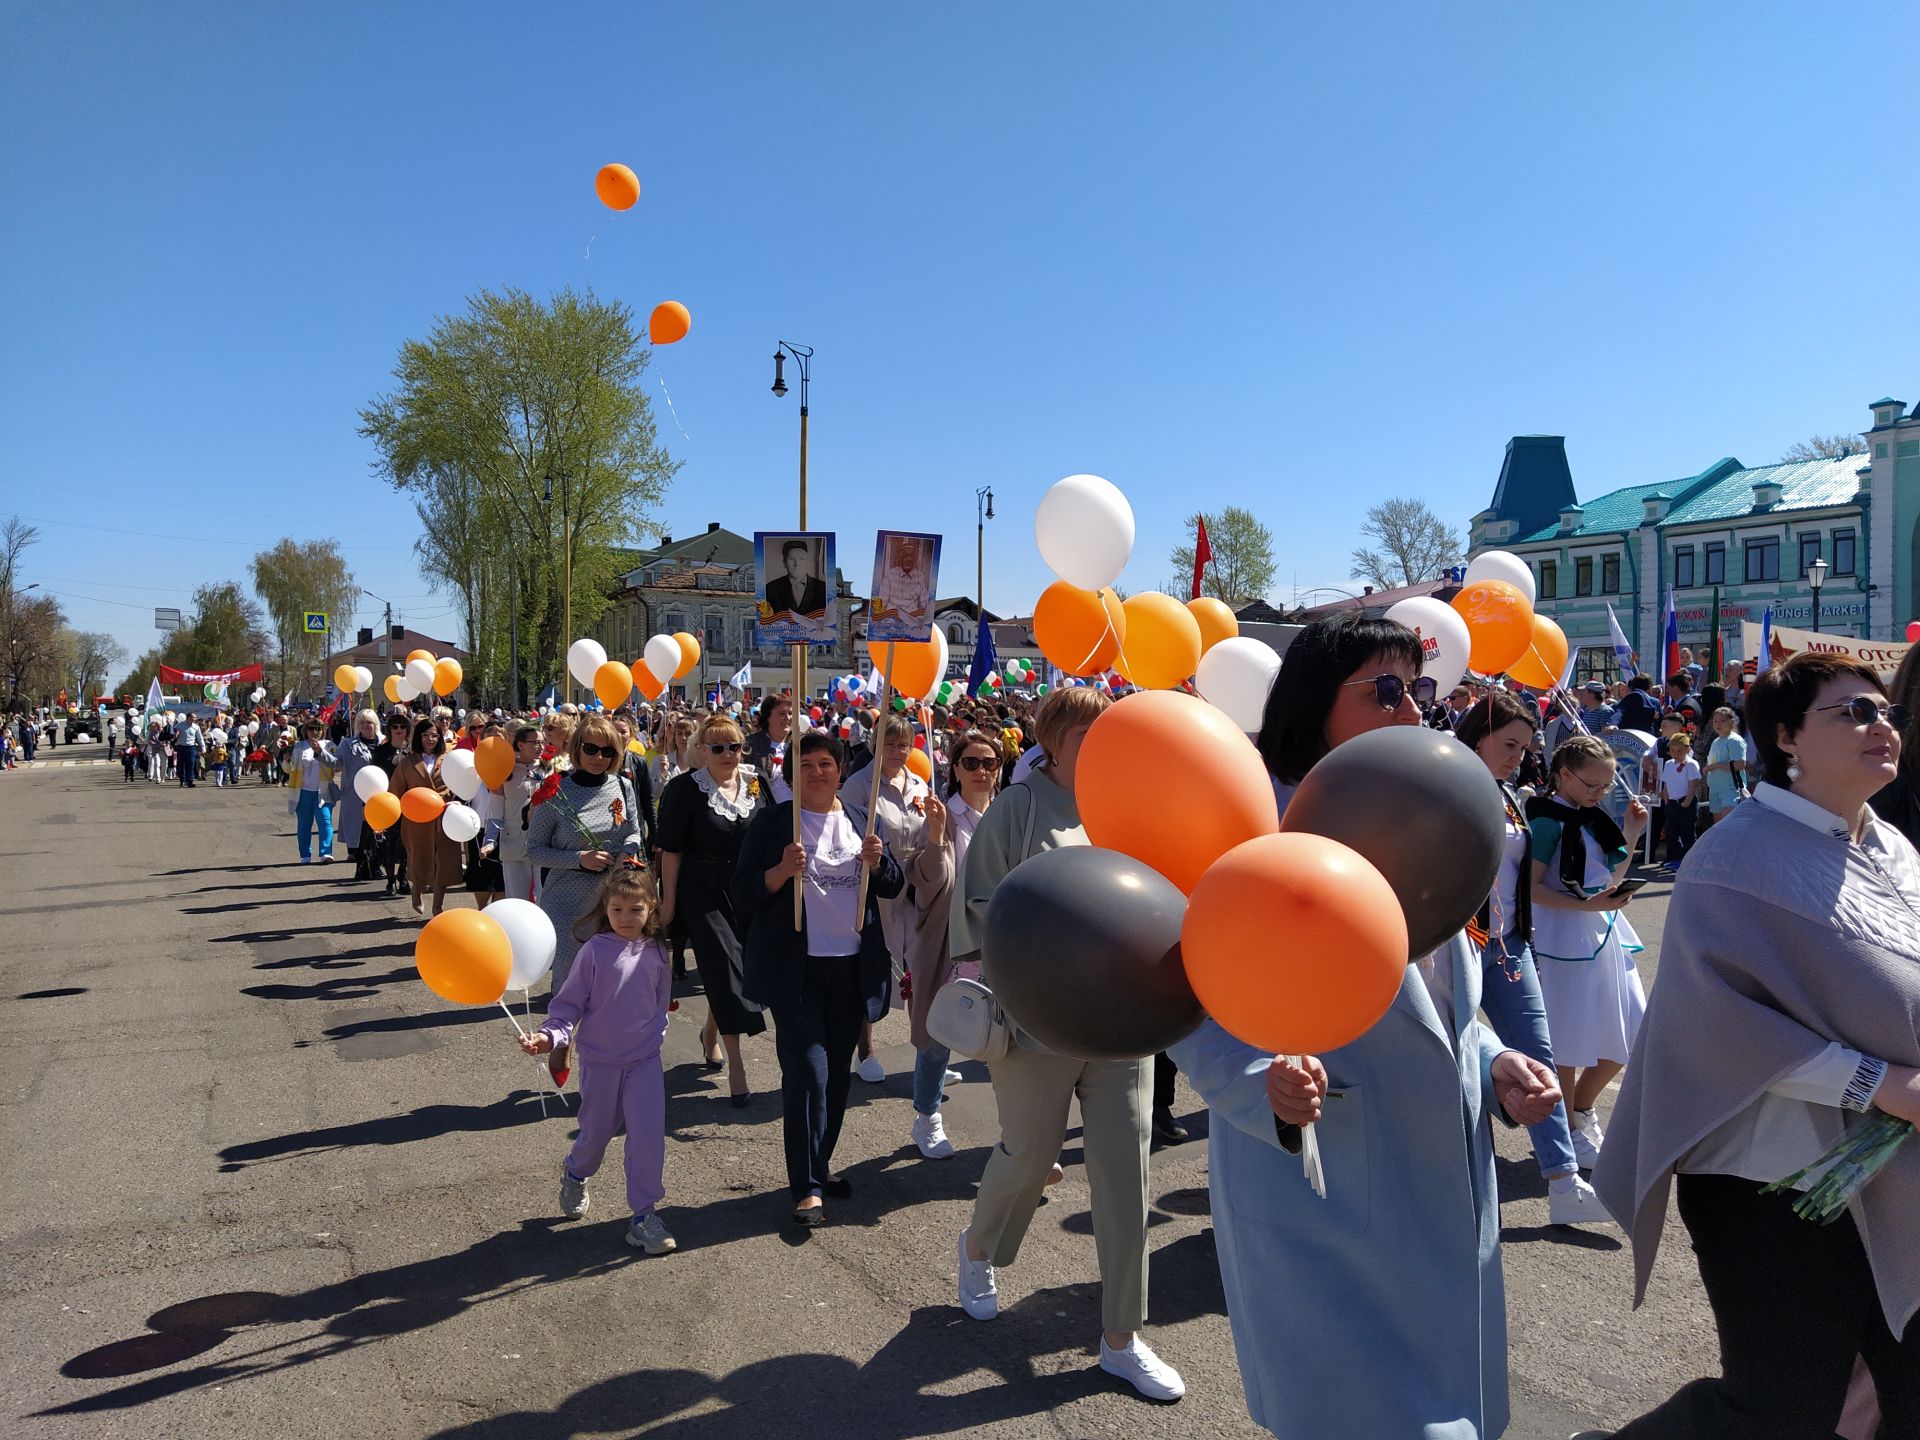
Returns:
(433,861)
(585,824)
(390,846)
(354,755)
(516,799)
(1582,943)
(1789,987)
(1405,1330)
(704,814)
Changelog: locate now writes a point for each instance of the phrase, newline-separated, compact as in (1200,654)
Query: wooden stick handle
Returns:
(793,768)
(873,796)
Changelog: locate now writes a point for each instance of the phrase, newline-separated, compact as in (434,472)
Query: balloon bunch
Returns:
(421,675)
(349,680)
(473,957)
(667,658)
(1020,672)
(1490,628)
(619,189)
(850,688)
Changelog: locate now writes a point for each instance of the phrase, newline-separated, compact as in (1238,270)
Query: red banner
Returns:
(171,676)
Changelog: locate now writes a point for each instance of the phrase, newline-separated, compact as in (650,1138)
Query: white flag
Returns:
(156,702)
(743,677)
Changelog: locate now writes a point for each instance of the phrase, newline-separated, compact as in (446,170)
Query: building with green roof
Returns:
(1752,532)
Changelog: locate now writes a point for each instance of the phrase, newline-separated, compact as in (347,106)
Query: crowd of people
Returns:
(1790,985)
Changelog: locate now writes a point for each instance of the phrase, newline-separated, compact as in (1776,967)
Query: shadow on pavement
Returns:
(428,1122)
(341,987)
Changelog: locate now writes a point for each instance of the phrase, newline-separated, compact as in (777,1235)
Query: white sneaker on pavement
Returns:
(1142,1369)
(979,1292)
(573,1196)
(871,1070)
(952,1077)
(648,1233)
(931,1136)
(1575,1204)
(1587,1138)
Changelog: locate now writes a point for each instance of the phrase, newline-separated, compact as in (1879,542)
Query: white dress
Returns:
(1592,991)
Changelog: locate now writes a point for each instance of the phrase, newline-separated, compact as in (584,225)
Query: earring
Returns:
(1793,770)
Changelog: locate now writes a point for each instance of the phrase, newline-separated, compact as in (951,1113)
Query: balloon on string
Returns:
(493,761)
(420,676)
(369,781)
(404,690)
(464,956)
(1445,645)
(343,679)
(392,687)
(662,656)
(920,765)
(413,655)
(584,659)
(462,776)
(382,810)
(530,936)
(613,683)
(689,653)
(1913,631)
(460,823)
(1084,527)
(814,714)
(447,675)
(1235,677)
(646,682)
(1216,621)
(1503,565)
(1499,624)
(914,667)
(1546,658)
(421,805)
(668,323)
(258,695)
(617,186)
(362,680)
(1343,960)
(1163,641)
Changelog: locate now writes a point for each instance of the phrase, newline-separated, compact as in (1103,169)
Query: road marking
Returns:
(56,764)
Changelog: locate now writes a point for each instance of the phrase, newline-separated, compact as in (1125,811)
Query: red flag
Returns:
(1202,553)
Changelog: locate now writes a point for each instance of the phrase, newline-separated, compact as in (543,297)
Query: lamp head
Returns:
(1817,574)
(989,502)
(779,373)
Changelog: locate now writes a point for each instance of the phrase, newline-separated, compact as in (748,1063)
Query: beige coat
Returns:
(929,959)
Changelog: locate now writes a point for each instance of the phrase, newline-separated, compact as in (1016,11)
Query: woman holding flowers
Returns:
(1786,1024)
(581,822)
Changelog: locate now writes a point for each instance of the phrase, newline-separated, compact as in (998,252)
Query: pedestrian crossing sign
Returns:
(317,622)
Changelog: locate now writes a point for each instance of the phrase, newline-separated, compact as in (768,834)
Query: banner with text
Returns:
(1883,655)
(171,676)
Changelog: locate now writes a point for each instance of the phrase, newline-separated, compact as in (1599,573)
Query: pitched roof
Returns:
(1723,491)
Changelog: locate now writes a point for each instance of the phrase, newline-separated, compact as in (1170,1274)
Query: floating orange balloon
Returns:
(1078,630)
(421,805)
(343,678)
(1227,797)
(1499,624)
(382,810)
(1216,621)
(645,681)
(913,667)
(668,323)
(617,186)
(426,655)
(920,765)
(1546,658)
(392,687)
(689,653)
(493,761)
(1163,642)
(447,676)
(613,682)
(1343,960)
(464,956)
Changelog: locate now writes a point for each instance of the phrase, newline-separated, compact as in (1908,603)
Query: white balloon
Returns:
(406,690)
(460,823)
(369,782)
(258,696)
(362,679)
(1444,642)
(1235,676)
(1502,565)
(457,770)
(1084,527)
(584,658)
(420,675)
(663,657)
(530,932)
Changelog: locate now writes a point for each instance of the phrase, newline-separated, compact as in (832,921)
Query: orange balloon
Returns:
(1546,658)
(382,811)
(426,655)
(392,687)
(1343,959)
(446,676)
(617,186)
(421,805)
(920,765)
(668,323)
(912,667)
(1216,621)
(1163,642)
(613,682)
(493,760)
(645,681)
(689,653)
(1499,624)
(1226,795)
(464,956)
(1078,630)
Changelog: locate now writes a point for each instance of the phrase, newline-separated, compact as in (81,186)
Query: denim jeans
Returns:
(1510,994)
(312,808)
(184,761)
(929,1078)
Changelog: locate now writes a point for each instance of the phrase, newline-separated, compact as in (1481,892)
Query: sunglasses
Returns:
(977,762)
(1389,690)
(1865,710)
(604,752)
(725,747)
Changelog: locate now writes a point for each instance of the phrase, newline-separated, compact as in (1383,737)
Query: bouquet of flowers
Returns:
(549,794)
(1848,1166)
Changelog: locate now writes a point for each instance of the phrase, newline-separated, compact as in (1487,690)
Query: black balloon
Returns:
(1082,950)
(1423,808)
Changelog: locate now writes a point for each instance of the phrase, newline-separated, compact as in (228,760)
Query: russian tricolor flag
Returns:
(1670,649)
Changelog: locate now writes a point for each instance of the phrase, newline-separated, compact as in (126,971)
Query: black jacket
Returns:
(775,956)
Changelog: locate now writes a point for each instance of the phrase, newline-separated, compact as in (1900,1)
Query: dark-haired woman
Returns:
(1786,1011)
(1500,729)
(1379,1310)
(433,861)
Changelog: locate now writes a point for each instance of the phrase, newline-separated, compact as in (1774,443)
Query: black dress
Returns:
(708,843)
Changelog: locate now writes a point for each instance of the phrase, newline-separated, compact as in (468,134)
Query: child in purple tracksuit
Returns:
(620,986)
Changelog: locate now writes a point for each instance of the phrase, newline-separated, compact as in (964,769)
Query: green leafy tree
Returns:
(1242,564)
(1415,545)
(294,577)
(228,631)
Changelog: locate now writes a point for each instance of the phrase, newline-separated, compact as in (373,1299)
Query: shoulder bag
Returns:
(964,1016)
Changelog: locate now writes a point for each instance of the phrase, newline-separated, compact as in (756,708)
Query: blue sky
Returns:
(1295,257)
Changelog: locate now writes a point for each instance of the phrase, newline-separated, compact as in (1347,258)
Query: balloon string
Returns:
(673,412)
(1106,629)
(590,239)
(502,1002)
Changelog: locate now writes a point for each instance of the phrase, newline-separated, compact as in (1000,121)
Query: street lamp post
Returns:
(803,360)
(1816,578)
(982,512)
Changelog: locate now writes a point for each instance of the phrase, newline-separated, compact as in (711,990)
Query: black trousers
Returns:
(1794,1303)
(1164,1071)
(815,1041)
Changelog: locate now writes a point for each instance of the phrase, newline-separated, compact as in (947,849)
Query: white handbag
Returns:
(964,1016)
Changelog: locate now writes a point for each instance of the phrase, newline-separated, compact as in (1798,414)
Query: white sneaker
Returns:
(327,859)
(979,1292)
(931,1136)
(648,1233)
(952,1077)
(1575,1204)
(871,1070)
(1587,1137)
(573,1196)
(1142,1369)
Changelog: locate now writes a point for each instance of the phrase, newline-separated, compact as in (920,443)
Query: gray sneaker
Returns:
(573,1196)
(649,1234)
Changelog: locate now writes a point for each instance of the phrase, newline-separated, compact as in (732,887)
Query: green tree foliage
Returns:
(1242,564)
(294,577)
(228,631)
(523,432)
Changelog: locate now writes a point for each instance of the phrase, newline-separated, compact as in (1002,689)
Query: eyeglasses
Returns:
(1424,688)
(1573,777)
(1389,690)
(604,752)
(1865,710)
(977,762)
(725,747)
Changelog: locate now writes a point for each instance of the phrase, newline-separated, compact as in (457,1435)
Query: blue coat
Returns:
(1377,1313)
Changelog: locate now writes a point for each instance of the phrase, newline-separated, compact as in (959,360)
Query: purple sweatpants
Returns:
(635,1095)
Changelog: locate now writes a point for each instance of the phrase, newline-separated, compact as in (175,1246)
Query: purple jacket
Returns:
(622,989)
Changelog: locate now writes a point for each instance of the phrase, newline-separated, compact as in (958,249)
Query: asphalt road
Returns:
(260,1182)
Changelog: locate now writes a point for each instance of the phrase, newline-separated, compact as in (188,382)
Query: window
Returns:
(714,641)
(1609,574)
(1880,451)
(1809,552)
(1683,567)
(673,622)
(1716,556)
(1763,560)
(1843,561)
(1583,575)
(1549,579)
